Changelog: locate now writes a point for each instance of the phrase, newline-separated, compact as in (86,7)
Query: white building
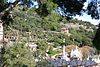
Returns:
(32,46)
(76,53)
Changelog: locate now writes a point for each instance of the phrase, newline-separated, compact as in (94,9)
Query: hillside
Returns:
(51,29)
(46,33)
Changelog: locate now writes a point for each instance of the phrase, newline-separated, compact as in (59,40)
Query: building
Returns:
(1,31)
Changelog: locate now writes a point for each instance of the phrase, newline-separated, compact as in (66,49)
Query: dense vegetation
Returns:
(49,28)
(45,27)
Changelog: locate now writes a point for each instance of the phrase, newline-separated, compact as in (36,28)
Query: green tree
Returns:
(40,54)
(18,56)
(51,22)
(25,20)
(96,41)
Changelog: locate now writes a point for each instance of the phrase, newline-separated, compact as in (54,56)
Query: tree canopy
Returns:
(18,56)
(96,41)
(69,7)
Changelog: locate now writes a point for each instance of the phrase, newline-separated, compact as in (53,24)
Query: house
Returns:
(76,53)
(32,46)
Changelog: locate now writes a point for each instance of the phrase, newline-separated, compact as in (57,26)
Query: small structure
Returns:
(64,30)
(32,46)
(2,39)
(76,53)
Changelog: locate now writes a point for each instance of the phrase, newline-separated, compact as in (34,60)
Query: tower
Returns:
(1,31)
(65,54)
(1,36)
(64,51)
